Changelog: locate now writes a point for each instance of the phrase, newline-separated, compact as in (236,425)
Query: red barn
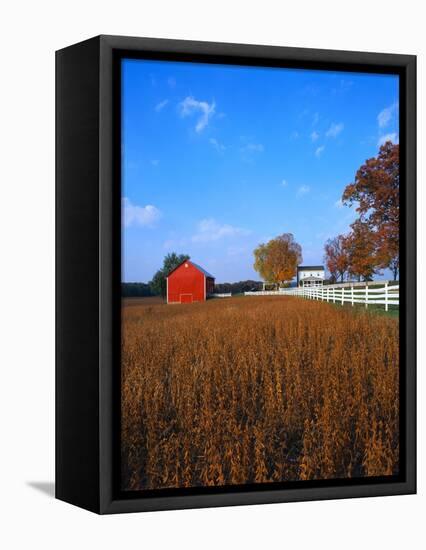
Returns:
(187,283)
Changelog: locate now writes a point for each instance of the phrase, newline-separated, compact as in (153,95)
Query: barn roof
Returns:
(206,273)
(203,271)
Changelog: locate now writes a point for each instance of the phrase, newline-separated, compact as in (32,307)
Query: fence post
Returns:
(343,294)
(352,295)
(386,296)
(334,295)
(366,295)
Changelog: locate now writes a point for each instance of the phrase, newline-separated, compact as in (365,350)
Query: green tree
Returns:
(158,282)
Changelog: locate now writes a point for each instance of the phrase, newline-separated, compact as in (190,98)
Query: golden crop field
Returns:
(256,389)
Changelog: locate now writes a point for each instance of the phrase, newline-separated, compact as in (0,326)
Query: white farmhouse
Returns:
(310,275)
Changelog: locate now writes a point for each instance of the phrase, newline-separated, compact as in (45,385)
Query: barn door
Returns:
(186,298)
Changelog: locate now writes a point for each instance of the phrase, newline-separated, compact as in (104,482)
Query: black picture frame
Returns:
(88,259)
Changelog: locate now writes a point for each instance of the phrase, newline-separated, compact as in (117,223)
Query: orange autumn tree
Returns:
(360,247)
(376,193)
(336,257)
(277,260)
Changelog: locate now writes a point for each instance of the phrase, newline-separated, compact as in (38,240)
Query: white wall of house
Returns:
(311,273)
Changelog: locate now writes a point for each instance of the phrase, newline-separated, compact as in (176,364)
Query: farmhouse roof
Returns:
(203,271)
(309,267)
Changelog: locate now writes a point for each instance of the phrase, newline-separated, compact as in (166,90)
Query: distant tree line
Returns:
(237,288)
(134,290)
(373,241)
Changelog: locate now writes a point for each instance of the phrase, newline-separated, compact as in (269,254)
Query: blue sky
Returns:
(217,159)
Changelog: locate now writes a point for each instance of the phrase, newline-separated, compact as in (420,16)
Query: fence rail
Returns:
(387,295)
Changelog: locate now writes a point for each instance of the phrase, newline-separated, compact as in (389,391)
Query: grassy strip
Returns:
(375,309)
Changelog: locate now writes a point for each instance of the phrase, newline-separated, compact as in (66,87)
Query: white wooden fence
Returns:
(221,295)
(386,294)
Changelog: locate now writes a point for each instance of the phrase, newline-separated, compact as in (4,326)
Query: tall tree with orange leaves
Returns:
(336,257)
(360,247)
(376,192)
(277,260)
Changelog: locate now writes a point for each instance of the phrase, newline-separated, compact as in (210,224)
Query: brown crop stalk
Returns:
(256,389)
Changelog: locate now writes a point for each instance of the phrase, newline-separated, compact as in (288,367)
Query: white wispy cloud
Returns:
(334,130)
(217,145)
(284,183)
(139,215)
(253,148)
(319,151)
(339,203)
(190,106)
(386,115)
(315,119)
(393,137)
(345,85)
(342,86)
(386,118)
(303,190)
(236,250)
(314,136)
(160,106)
(209,230)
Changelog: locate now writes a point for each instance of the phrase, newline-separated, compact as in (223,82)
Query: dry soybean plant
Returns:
(254,390)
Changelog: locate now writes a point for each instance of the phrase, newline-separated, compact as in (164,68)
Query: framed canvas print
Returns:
(236,277)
